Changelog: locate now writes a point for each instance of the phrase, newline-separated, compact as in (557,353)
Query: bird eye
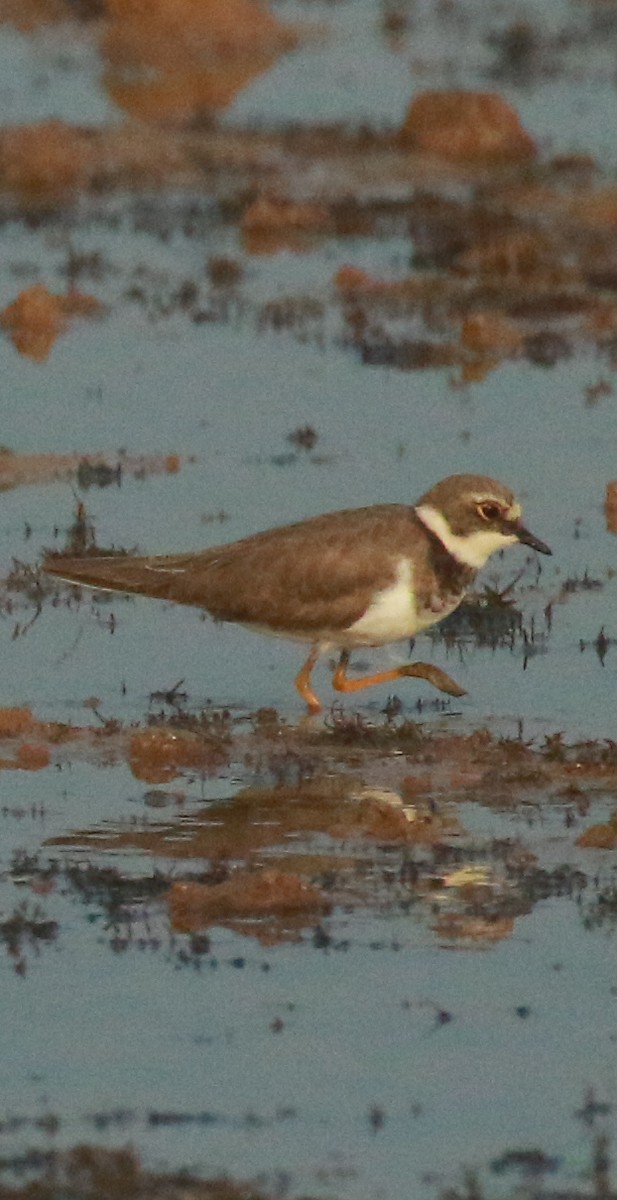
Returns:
(489,510)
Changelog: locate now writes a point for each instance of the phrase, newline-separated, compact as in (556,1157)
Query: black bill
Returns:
(529,539)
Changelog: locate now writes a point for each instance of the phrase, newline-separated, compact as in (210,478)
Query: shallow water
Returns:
(421,1025)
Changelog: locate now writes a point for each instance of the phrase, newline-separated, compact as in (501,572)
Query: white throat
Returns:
(471,549)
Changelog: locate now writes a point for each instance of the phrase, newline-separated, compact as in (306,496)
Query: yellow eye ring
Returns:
(489,511)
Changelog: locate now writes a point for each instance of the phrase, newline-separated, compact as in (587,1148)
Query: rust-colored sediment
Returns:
(490,333)
(157,755)
(270,224)
(600,837)
(255,894)
(174,60)
(36,318)
(33,753)
(466,126)
(19,470)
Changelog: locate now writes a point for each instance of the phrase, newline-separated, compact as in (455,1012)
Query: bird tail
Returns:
(112,573)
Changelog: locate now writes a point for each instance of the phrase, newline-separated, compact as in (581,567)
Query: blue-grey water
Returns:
(91,1028)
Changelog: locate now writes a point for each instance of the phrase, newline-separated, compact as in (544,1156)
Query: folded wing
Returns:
(310,577)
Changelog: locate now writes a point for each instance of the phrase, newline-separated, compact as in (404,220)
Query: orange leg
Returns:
(303,682)
(434,675)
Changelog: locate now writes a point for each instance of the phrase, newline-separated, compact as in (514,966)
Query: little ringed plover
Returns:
(360,577)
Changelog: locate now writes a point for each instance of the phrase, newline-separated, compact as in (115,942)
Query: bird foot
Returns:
(439,679)
(432,674)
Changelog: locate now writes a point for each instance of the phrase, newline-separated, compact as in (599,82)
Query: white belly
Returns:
(394,614)
(390,617)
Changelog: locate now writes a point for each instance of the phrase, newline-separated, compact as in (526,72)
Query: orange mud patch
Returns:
(29,755)
(16,721)
(37,317)
(269,225)
(489,333)
(18,470)
(157,755)
(257,895)
(32,756)
(177,60)
(600,837)
(47,159)
(466,126)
